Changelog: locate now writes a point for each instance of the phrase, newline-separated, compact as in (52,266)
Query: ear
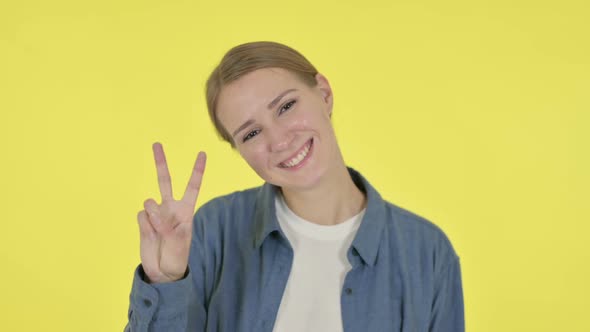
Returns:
(326,91)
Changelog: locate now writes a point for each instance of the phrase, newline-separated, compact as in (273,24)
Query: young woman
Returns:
(315,248)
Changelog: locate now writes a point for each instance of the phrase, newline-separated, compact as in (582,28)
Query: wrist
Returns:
(163,278)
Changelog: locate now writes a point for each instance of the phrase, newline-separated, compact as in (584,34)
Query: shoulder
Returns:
(413,225)
(227,216)
(418,236)
(237,201)
(408,234)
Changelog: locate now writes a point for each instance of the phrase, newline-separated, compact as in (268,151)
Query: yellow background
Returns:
(474,114)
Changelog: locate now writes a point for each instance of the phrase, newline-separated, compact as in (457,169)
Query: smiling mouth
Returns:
(299,157)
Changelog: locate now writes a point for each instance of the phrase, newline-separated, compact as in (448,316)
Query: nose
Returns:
(279,138)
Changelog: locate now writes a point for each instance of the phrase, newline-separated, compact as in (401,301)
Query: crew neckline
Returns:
(310,229)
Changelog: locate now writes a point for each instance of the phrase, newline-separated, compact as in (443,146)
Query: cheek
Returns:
(301,121)
(312,120)
(255,158)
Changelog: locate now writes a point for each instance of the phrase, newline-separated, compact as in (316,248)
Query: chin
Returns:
(302,181)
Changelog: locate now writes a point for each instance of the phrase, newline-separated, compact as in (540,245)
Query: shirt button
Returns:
(147,303)
(348,291)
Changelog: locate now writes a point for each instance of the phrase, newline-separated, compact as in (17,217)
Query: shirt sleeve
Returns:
(164,307)
(447,306)
(178,306)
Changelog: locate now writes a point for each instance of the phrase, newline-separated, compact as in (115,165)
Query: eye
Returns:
(286,106)
(250,135)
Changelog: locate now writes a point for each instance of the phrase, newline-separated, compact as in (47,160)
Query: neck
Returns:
(334,200)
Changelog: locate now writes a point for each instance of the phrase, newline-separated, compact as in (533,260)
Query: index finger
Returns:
(163,174)
(194,183)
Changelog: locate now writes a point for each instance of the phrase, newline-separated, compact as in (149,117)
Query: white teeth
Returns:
(297,159)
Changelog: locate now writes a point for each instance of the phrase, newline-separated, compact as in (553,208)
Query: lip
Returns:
(302,162)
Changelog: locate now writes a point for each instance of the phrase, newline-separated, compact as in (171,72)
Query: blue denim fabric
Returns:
(405,273)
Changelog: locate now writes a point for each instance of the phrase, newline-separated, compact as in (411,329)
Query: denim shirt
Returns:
(405,274)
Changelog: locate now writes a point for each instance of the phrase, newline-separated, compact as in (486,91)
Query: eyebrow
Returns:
(270,106)
(244,125)
(279,97)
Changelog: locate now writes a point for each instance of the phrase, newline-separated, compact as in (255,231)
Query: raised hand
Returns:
(166,228)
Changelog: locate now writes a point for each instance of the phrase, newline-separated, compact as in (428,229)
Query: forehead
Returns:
(253,91)
(260,83)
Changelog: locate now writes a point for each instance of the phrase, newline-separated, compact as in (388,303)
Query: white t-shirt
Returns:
(311,301)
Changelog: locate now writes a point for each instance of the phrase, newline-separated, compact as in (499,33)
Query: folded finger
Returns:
(153,212)
(149,244)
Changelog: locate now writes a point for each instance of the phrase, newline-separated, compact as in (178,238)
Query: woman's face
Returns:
(281,126)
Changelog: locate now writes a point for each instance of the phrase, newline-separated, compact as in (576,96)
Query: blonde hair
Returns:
(246,58)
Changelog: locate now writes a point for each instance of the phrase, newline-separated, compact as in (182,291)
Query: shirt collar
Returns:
(367,238)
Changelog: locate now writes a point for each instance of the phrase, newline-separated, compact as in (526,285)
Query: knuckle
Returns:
(149,270)
(140,215)
(145,232)
(150,206)
(155,222)
(178,217)
(184,231)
